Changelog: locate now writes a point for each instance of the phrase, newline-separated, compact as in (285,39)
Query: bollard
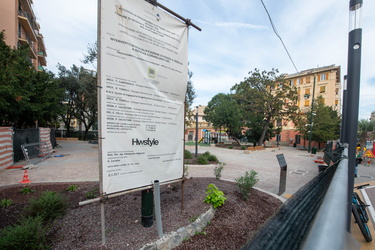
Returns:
(147,208)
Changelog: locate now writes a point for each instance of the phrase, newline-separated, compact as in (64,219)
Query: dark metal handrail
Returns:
(328,230)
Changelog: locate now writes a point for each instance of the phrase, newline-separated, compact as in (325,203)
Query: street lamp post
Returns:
(352,98)
(311,116)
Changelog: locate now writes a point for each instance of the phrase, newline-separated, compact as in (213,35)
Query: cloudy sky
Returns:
(236,38)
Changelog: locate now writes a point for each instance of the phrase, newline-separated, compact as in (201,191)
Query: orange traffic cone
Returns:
(25,177)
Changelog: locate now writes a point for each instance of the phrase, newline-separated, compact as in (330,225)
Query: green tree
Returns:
(265,97)
(189,98)
(365,130)
(27,97)
(80,97)
(68,80)
(86,102)
(255,128)
(325,122)
(223,111)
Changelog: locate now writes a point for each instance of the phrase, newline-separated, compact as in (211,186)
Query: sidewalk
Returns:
(301,167)
(79,162)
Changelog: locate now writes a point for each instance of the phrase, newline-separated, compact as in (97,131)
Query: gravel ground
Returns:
(233,224)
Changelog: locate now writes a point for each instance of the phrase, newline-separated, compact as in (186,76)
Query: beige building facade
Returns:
(18,20)
(312,83)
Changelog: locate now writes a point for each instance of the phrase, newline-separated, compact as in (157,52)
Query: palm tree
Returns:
(365,128)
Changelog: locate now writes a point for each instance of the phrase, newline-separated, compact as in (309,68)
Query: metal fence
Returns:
(315,216)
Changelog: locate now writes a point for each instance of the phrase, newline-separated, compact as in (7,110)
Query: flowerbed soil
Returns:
(233,224)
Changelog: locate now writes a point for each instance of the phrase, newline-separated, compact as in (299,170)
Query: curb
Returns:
(174,239)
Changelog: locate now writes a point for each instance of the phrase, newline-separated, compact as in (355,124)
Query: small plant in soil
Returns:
(72,188)
(27,190)
(214,196)
(218,169)
(246,183)
(186,171)
(192,219)
(5,202)
(92,194)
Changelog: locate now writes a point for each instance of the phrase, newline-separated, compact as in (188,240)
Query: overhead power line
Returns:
(277,34)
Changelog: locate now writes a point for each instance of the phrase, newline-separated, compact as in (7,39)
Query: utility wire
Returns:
(277,34)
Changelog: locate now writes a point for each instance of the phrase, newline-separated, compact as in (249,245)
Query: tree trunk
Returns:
(265,128)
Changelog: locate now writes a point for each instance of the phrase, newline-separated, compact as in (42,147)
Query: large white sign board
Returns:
(143,75)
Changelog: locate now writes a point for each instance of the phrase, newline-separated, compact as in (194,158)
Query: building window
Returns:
(337,91)
(336,103)
(322,89)
(323,77)
(307,79)
(307,102)
(298,139)
(298,81)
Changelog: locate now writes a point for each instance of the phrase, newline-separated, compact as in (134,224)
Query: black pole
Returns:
(352,105)
(147,219)
(311,116)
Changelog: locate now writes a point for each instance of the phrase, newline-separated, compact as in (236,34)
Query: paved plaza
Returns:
(78,161)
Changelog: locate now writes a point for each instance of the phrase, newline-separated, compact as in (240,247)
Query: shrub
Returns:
(202,159)
(212,158)
(29,234)
(214,196)
(92,194)
(218,169)
(243,147)
(72,188)
(230,147)
(49,206)
(27,190)
(206,154)
(246,183)
(5,202)
(188,154)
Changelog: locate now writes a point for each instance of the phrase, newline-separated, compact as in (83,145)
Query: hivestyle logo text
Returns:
(147,142)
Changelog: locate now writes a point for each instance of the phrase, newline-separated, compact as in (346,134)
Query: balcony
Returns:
(27,24)
(41,58)
(26,42)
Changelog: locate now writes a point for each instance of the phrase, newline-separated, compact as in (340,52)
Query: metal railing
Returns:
(328,230)
(315,217)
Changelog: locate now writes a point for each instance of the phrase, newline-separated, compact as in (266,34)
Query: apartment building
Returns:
(312,83)
(18,20)
(372,117)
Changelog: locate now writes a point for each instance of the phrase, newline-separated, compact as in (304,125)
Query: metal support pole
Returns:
(196,134)
(159,225)
(182,194)
(352,105)
(311,116)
